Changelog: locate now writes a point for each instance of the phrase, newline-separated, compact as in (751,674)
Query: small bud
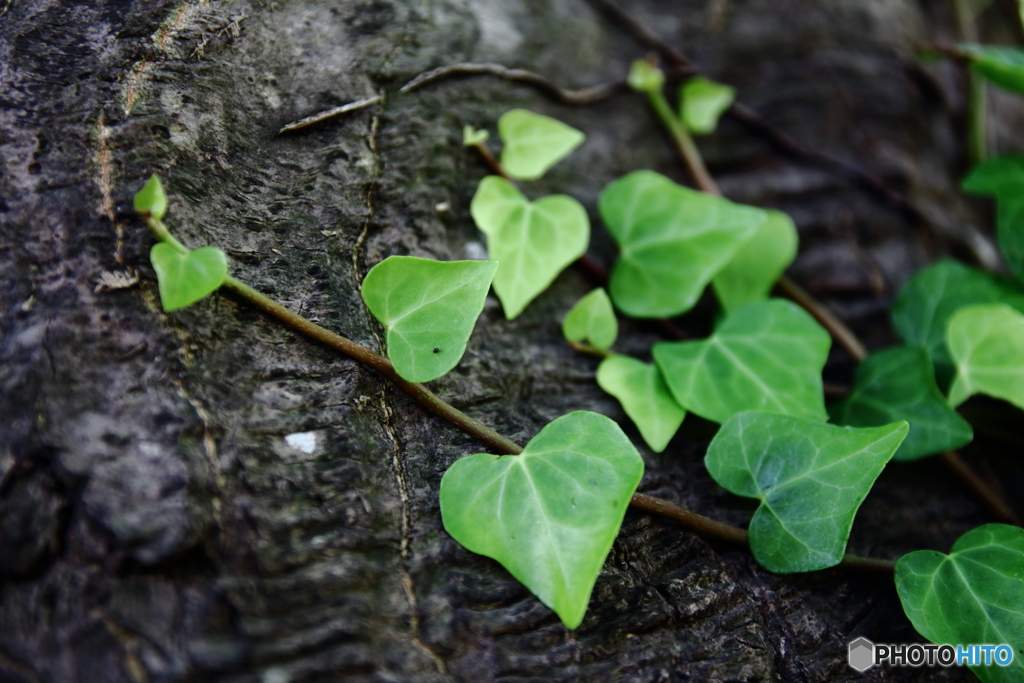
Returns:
(646,77)
(151,199)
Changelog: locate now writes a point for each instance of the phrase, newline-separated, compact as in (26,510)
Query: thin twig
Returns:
(846,338)
(988,495)
(331,113)
(491,160)
(576,98)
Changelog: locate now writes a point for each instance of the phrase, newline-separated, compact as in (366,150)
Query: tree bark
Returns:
(160,522)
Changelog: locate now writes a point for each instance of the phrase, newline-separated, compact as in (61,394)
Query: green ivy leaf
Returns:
(186,278)
(899,384)
(702,103)
(767,355)
(534,143)
(987,343)
(592,318)
(975,594)
(532,241)
(752,272)
(429,309)
(549,515)
(644,396)
(1000,64)
(810,477)
(673,241)
(1010,229)
(924,306)
(1003,178)
(471,136)
(151,198)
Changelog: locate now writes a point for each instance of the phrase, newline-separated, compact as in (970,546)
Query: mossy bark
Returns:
(160,520)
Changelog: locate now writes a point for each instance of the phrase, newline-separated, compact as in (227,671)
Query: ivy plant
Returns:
(550,513)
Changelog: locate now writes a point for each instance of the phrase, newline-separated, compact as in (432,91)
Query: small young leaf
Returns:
(592,318)
(549,515)
(750,274)
(645,77)
(534,143)
(899,384)
(702,102)
(644,396)
(471,136)
(973,595)
(429,309)
(532,241)
(922,310)
(151,198)
(673,241)
(1001,64)
(810,477)
(184,279)
(986,342)
(767,355)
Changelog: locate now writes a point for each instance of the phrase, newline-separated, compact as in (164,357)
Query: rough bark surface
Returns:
(157,522)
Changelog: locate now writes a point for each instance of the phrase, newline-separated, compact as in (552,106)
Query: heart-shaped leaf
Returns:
(644,396)
(987,345)
(899,384)
(974,595)
(549,515)
(186,278)
(592,318)
(811,478)
(534,143)
(429,309)
(750,274)
(767,355)
(702,102)
(471,136)
(673,241)
(1001,64)
(151,198)
(924,306)
(532,241)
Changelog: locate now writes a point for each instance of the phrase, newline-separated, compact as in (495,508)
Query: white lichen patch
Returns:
(306,442)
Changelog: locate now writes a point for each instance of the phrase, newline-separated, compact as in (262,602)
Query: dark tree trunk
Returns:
(158,524)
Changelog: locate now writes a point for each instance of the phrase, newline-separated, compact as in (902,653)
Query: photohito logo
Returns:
(864,654)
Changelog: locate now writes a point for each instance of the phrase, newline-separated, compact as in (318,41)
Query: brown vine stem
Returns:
(989,496)
(464,423)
